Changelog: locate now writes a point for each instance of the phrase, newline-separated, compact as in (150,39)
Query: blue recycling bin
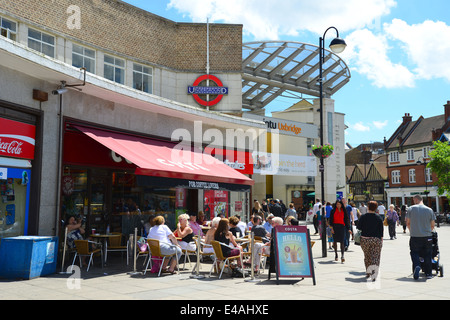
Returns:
(28,257)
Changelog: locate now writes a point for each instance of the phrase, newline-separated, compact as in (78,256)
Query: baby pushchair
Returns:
(435,257)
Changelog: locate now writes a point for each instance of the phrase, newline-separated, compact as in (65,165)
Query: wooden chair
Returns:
(115,245)
(155,252)
(219,257)
(82,249)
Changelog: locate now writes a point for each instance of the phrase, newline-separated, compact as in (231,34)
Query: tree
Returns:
(440,165)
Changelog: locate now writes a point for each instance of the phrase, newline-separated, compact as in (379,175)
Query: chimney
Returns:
(436,134)
(407,118)
(447,111)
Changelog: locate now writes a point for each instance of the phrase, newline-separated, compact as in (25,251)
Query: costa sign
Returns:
(17,139)
(218,90)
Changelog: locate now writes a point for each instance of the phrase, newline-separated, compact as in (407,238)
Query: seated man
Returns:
(258,229)
(263,248)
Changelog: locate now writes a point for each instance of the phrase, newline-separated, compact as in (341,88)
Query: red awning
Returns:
(165,159)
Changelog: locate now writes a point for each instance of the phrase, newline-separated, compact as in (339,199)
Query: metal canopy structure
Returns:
(273,68)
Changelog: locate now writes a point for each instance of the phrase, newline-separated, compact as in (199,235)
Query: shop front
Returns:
(117,181)
(17,142)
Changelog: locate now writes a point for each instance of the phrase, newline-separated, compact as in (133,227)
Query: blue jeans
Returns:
(421,247)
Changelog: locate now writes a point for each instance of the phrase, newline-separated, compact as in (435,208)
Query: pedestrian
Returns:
(392,219)
(276,209)
(381,211)
(349,210)
(372,229)
(363,208)
(403,217)
(316,213)
(339,224)
(420,221)
(355,217)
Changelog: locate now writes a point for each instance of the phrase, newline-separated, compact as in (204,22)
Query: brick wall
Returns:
(125,29)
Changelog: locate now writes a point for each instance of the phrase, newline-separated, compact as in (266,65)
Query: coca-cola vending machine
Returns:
(17,141)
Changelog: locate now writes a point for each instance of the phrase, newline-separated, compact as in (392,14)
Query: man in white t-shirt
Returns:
(381,210)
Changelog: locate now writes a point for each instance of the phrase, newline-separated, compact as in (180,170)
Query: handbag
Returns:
(385,222)
(357,237)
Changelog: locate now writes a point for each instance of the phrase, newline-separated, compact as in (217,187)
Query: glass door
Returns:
(99,218)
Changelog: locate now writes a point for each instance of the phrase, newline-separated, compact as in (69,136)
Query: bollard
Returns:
(133,243)
(197,274)
(64,255)
(252,272)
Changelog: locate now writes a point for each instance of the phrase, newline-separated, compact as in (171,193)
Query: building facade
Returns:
(99,105)
(408,153)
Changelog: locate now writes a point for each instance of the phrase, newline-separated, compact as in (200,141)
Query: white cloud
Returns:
(367,54)
(268,19)
(379,124)
(360,127)
(426,44)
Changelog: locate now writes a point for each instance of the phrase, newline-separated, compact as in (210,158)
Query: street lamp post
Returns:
(419,163)
(337,45)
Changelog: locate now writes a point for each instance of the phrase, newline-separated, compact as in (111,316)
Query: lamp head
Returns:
(338,45)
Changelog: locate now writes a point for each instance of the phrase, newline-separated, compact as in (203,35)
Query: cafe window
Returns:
(41,42)
(74,193)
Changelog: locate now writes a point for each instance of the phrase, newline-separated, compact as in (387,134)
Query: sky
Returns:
(398,51)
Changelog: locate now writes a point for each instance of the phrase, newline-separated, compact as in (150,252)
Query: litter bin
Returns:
(28,257)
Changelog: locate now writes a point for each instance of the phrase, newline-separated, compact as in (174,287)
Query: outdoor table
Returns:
(104,238)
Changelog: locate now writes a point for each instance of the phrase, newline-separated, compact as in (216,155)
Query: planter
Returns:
(322,151)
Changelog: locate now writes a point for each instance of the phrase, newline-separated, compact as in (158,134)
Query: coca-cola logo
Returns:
(12,147)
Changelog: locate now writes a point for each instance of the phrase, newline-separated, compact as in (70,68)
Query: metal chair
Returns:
(155,252)
(115,245)
(219,257)
(82,249)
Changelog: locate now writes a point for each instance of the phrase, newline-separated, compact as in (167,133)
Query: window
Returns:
(396,177)
(8,29)
(83,58)
(428,175)
(412,175)
(394,157)
(142,78)
(114,69)
(41,42)
(426,152)
(410,155)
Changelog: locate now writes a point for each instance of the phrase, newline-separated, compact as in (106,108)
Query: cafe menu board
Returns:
(292,250)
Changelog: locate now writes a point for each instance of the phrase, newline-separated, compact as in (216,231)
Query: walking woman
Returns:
(371,226)
(339,224)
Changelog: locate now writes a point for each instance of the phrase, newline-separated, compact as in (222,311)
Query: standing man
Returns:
(348,208)
(420,222)
(316,213)
(276,210)
(381,211)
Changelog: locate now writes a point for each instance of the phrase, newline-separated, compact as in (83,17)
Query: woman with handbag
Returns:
(339,224)
(371,226)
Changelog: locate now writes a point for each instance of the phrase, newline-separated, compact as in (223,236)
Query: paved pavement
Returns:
(334,281)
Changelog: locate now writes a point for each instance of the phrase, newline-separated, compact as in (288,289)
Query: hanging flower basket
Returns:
(323,151)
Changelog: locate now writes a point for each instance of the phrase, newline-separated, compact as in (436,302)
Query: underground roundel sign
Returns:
(200,91)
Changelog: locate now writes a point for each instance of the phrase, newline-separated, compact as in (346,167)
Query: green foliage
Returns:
(440,165)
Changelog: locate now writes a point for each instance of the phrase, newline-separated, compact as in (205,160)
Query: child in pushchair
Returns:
(435,256)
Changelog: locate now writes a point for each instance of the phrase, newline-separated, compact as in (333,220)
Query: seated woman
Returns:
(224,235)
(74,232)
(167,242)
(207,248)
(184,231)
